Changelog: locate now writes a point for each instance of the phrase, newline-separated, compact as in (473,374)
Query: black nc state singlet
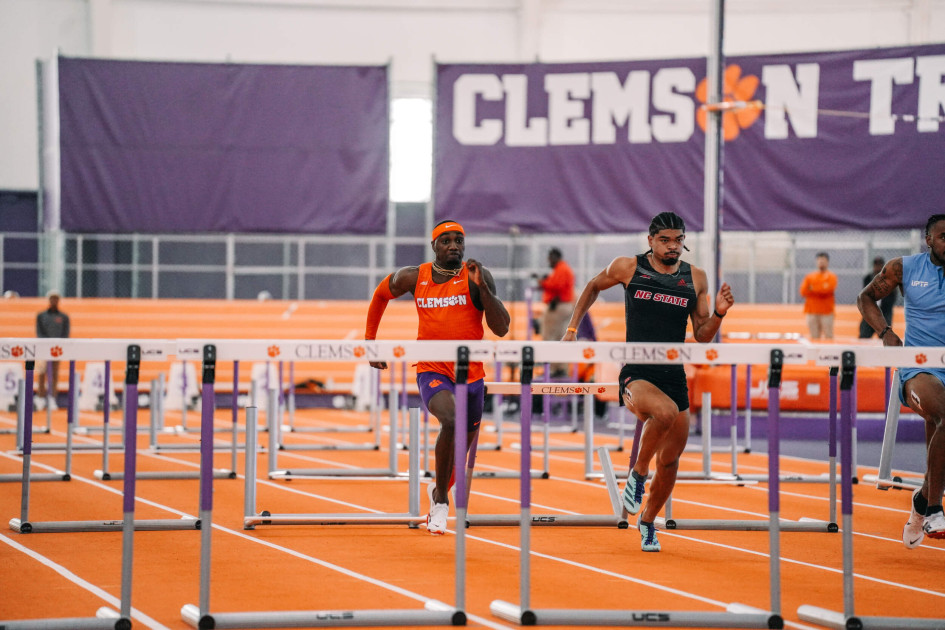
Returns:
(658,305)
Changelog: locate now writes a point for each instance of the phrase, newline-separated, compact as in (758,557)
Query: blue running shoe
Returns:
(648,541)
(633,492)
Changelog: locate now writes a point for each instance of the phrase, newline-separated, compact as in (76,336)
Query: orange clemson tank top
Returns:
(446,311)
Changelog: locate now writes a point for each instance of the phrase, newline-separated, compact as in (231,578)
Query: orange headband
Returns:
(450,226)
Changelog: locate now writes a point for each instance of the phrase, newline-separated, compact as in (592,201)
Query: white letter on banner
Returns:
(786,98)
(931,91)
(672,92)
(519,130)
(615,104)
(566,121)
(882,73)
(465,90)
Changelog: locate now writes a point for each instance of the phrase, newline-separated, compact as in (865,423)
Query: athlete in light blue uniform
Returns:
(922,281)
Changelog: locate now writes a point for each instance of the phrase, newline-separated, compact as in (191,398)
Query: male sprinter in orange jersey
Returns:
(451,299)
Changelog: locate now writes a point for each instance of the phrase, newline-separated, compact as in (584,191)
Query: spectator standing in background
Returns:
(50,323)
(818,290)
(558,295)
(885,305)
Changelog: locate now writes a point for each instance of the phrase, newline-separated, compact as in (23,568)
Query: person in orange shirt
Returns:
(818,290)
(558,295)
(452,298)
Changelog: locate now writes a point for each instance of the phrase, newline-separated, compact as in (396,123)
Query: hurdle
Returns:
(156,420)
(105,617)
(353,446)
(736,615)
(901,356)
(390,472)
(24,390)
(435,613)
(111,349)
(803,525)
(593,520)
(588,390)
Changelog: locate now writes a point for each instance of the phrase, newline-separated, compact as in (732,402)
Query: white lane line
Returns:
(75,579)
(328,565)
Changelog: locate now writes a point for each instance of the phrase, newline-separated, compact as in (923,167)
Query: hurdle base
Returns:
(508,474)
(412,520)
(747,525)
(432,615)
(835,619)
(512,612)
(894,482)
(105,619)
(566,520)
(735,618)
(143,525)
(59,475)
(364,446)
(157,474)
(364,428)
(315,473)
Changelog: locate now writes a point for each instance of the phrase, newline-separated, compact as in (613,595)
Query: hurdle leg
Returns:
(249,476)
(748,408)
(131,452)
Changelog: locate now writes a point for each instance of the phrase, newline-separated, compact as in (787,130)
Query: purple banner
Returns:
(193,147)
(828,141)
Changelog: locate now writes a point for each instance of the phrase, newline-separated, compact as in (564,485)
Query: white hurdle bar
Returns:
(850,358)
(435,613)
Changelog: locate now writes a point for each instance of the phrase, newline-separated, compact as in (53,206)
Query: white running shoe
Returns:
(934,526)
(436,518)
(912,533)
(633,494)
(648,540)
(38,403)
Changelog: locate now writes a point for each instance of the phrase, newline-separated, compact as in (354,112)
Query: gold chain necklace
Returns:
(451,273)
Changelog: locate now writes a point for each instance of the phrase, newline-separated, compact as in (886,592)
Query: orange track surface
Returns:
(306,567)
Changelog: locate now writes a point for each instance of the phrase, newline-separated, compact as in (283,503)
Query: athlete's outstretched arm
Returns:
(706,324)
(497,317)
(879,287)
(391,287)
(620,270)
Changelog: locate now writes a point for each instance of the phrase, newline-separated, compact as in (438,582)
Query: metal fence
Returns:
(761,267)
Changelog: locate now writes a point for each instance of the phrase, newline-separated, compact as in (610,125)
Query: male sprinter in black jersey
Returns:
(661,292)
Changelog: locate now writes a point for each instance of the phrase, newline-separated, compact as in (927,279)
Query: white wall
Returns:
(410,33)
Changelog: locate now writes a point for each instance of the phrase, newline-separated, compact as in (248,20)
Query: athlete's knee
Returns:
(665,415)
(446,418)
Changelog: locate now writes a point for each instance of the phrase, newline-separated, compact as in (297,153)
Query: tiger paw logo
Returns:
(435,383)
(16,351)
(672,354)
(358,351)
(273,351)
(588,353)
(735,87)
(399,351)
(711,355)
(56,351)
(921,358)
(601,390)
